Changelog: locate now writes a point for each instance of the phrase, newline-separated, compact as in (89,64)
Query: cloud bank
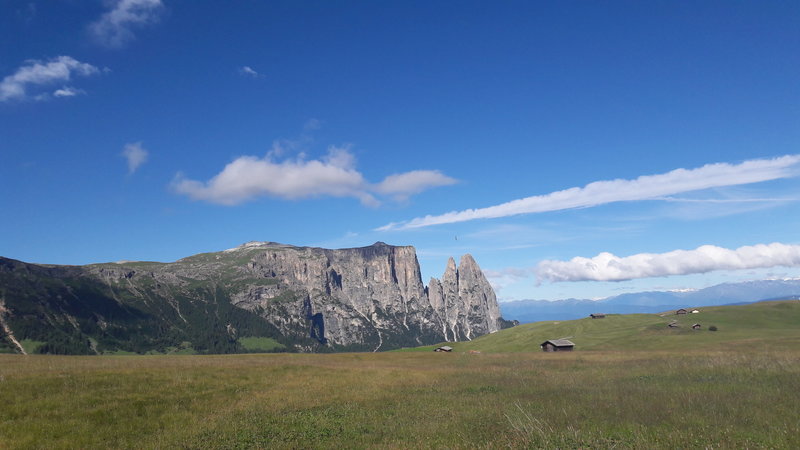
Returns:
(135,154)
(115,27)
(42,73)
(646,187)
(707,258)
(334,175)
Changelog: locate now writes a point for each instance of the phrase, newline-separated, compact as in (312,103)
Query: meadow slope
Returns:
(774,325)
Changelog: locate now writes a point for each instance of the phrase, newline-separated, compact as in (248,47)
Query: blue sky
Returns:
(575,149)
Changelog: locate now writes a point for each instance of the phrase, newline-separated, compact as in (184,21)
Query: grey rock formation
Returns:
(464,301)
(371,294)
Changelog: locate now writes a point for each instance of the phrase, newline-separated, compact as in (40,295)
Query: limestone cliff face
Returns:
(369,295)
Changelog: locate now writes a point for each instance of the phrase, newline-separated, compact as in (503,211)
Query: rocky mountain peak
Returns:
(464,300)
(468,261)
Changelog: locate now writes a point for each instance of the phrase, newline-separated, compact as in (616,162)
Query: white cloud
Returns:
(248,177)
(135,154)
(248,71)
(707,258)
(499,279)
(113,29)
(68,91)
(41,73)
(402,185)
(646,187)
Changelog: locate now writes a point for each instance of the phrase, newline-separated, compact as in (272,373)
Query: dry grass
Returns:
(404,400)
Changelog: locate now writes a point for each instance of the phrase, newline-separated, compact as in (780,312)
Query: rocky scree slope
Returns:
(303,298)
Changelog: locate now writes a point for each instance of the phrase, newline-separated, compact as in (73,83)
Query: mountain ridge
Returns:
(300,298)
(526,311)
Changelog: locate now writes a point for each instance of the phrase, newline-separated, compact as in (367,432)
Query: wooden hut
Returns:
(680,311)
(597,316)
(696,326)
(557,345)
(444,348)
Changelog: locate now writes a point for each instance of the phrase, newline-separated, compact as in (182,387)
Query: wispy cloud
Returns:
(115,27)
(37,73)
(402,185)
(499,279)
(741,201)
(707,258)
(248,71)
(729,200)
(68,91)
(646,187)
(312,125)
(334,175)
(135,155)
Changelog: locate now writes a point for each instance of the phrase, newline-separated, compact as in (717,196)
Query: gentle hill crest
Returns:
(770,325)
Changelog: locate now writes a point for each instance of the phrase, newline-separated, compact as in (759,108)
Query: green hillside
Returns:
(774,325)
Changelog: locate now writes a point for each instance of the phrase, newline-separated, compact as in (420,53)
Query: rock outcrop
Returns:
(370,294)
(464,301)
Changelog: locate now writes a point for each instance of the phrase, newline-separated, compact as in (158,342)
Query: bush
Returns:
(712,328)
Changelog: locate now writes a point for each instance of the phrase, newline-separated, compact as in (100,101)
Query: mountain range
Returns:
(526,311)
(260,296)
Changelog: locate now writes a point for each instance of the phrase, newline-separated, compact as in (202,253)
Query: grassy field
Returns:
(631,383)
(600,399)
(774,325)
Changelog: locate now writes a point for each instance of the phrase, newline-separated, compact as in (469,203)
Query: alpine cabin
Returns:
(557,345)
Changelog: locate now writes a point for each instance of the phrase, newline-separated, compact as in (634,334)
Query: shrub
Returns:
(712,328)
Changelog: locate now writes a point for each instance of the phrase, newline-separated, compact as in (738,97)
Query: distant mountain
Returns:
(261,296)
(526,311)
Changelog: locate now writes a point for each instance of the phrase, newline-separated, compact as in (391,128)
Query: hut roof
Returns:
(559,342)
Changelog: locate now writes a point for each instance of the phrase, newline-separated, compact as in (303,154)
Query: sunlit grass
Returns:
(261,344)
(696,399)
(771,325)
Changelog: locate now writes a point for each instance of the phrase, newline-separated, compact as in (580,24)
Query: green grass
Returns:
(632,383)
(261,344)
(600,399)
(120,353)
(757,325)
(185,348)
(30,345)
